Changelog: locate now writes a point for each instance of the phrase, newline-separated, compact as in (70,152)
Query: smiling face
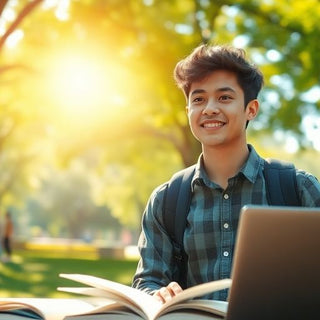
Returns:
(216,110)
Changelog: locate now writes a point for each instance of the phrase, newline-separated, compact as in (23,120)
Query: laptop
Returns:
(276,267)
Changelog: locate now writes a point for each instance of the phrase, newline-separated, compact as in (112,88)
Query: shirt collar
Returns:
(250,169)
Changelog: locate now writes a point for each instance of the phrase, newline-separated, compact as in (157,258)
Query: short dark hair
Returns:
(205,59)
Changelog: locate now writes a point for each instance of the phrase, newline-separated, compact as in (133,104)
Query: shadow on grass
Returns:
(37,275)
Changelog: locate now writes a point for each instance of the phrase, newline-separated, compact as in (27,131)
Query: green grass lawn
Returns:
(36,274)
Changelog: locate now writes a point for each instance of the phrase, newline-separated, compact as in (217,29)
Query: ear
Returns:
(252,109)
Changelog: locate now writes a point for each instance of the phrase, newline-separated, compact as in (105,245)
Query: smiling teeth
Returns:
(213,125)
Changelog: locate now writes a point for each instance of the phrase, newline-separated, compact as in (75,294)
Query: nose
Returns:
(211,107)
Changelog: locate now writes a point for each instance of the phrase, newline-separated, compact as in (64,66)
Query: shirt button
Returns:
(226,225)
(226,253)
(226,196)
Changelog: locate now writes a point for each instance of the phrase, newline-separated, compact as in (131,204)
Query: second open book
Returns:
(127,300)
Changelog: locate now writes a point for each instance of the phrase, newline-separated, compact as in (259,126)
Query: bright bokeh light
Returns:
(311,127)
(77,83)
(14,38)
(87,88)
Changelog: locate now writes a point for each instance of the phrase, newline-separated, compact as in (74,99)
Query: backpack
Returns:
(281,188)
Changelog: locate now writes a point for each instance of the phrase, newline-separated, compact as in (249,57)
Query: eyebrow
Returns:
(196,92)
(222,89)
(226,89)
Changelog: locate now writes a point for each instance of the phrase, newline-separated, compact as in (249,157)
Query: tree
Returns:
(64,206)
(25,10)
(14,157)
(135,123)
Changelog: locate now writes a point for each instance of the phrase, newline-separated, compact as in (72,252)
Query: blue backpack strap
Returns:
(281,183)
(176,204)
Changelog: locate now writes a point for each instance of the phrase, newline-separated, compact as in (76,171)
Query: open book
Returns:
(106,299)
(140,305)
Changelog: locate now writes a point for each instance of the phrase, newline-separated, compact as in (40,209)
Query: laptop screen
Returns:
(276,267)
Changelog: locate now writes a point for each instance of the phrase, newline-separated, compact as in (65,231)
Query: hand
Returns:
(165,294)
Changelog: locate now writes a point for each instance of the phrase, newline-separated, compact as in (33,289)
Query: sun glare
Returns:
(78,85)
(87,86)
(80,82)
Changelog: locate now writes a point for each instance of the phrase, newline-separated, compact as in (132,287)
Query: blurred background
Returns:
(91,119)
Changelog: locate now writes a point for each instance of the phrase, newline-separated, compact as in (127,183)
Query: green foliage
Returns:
(130,132)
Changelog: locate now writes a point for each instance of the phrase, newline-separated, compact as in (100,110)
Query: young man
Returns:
(221,89)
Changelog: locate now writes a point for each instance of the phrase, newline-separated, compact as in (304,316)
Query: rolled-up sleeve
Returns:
(309,188)
(156,265)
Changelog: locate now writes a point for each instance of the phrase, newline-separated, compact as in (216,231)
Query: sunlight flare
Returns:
(78,84)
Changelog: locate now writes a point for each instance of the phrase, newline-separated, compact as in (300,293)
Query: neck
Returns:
(224,163)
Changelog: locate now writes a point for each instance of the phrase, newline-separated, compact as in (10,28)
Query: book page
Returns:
(145,302)
(214,307)
(108,301)
(48,309)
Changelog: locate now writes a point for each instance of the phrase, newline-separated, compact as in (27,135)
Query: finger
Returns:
(165,294)
(162,295)
(158,296)
(174,288)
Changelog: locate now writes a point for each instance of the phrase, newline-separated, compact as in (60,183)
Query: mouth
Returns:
(212,124)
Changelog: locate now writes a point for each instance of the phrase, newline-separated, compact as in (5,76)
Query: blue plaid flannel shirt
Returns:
(212,223)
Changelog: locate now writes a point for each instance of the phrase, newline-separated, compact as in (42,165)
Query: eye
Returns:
(197,100)
(225,98)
